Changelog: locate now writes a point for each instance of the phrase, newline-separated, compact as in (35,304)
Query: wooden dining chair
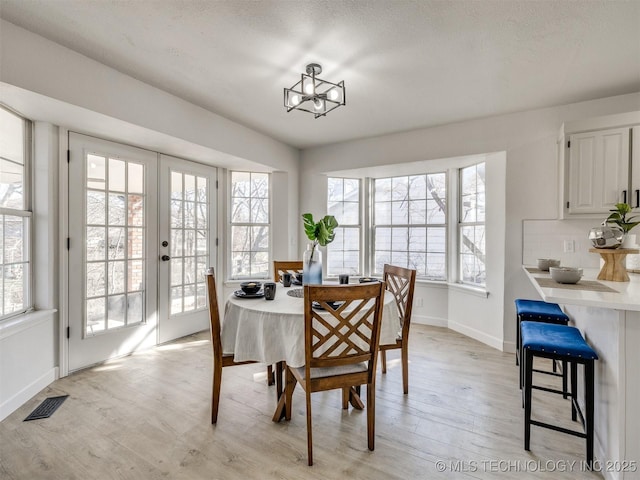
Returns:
(341,346)
(280,267)
(400,283)
(219,360)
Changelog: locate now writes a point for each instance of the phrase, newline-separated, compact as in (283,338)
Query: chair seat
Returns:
(537,310)
(333,371)
(557,339)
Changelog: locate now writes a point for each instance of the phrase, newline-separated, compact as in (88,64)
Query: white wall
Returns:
(532,175)
(57,87)
(28,344)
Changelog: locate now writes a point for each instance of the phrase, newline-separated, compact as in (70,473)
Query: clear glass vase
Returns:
(312,266)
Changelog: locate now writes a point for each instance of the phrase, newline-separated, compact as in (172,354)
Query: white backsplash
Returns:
(546,239)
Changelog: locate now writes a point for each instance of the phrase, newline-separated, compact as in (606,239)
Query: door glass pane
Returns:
(116,175)
(114,244)
(189,247)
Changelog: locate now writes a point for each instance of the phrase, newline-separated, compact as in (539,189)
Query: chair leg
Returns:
(405,368)
(215,394)
(574,390)
(527,360)
(383,357)
(289,386)
(588,393)
(371,416)
(309,436)
(278,374)
(270,378)
(345,398)
(518,340)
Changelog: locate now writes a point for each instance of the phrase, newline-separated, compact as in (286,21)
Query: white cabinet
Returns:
(598,170)
(600,164)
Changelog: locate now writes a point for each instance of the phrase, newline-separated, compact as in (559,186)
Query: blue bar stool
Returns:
(539,311)
(564,343)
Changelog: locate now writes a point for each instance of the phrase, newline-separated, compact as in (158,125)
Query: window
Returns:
(343,202)
(250,224)
(471,229)
(410,224)
(15,214)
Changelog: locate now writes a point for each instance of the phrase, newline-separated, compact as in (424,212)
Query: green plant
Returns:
(322,232)
(619,217)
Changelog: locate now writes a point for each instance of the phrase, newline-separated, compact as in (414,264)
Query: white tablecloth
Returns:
(273,331)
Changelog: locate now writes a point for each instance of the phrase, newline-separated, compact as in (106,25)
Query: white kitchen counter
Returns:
(610,323)
(627,296)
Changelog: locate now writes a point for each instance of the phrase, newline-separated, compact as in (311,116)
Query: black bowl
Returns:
(298,276)
(250,288)
(367,280)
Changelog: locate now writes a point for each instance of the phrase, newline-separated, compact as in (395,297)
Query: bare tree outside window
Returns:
(250,225)
(343,202)
(15,216)
(471,225)
(115,241)
(410,224)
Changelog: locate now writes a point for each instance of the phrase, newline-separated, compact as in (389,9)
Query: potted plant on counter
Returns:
(618,217)
(321,233)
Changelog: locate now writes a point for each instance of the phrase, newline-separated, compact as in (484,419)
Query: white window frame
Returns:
(342,226)
(371,252)
(25,212)
(462,224)
(232,224)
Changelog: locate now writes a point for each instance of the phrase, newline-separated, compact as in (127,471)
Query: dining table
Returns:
(272,332)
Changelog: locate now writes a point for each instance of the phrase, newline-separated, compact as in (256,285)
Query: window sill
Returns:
(471,290)
(19,323)
(433,283)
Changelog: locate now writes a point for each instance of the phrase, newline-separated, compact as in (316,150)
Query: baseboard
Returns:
(433,321)
(476,335)
(24,395)
(509,347)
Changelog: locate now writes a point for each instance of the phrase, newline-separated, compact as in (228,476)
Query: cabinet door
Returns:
(598,170)
(634,201)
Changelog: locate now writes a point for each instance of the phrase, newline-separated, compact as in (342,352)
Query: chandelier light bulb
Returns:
(318,104)
(295,99)
(308,87)
(333,94)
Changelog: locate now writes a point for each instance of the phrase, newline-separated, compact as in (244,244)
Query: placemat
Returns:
(589,285)
(296,292)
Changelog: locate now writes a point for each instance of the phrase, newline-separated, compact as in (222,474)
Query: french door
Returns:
(187,226)
(140,230)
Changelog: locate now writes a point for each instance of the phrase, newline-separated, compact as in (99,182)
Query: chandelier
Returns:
(314,95)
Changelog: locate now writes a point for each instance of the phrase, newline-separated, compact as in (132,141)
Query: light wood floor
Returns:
(147,417)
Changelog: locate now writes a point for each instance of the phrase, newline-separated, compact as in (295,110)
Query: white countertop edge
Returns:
(626,298)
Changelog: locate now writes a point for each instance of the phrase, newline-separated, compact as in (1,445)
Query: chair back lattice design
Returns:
(214,312)
(285,267)
(348,334)
(401,284)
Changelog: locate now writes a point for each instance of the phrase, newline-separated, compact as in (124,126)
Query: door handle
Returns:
(637,198)
(624,196)
(165,258)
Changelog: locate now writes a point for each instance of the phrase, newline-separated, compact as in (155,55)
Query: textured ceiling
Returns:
(406,64)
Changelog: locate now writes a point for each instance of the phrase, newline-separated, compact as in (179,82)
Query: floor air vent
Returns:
(46,408)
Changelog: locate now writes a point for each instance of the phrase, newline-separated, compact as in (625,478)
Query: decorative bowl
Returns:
(566,274)
(606,236)
(545,263)
(250,288)
(367,280)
